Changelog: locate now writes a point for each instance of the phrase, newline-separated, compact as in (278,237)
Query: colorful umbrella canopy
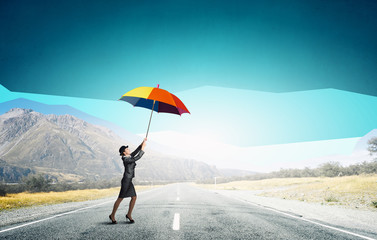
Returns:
(156,99)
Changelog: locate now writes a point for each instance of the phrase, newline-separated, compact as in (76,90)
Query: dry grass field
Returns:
(26,199)
(350,191)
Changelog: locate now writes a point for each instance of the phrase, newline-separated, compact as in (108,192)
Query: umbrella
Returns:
(156,99)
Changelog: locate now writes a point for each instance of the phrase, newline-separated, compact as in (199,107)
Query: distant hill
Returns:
(63,146)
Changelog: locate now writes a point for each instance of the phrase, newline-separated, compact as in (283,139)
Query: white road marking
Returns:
(176,222)
(307,220)
(59,215)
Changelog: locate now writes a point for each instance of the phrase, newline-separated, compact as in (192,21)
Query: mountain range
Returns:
(68,148)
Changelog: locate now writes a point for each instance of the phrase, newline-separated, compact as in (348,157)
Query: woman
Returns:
(128,189)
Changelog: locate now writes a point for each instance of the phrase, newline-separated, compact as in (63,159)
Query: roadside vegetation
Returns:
(331,184)
(40,190)
(27,199)
(350,191)
(331,169)
(42,183)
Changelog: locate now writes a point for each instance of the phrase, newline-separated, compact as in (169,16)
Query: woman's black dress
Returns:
(128,189)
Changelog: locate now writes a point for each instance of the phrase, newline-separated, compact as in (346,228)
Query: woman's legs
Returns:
(115,208)
(131,206)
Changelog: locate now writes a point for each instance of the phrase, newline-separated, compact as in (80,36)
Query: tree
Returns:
(372,145)
(3,190)
(331,169)
(37,183)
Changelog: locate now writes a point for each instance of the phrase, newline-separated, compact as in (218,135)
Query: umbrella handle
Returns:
(150,119)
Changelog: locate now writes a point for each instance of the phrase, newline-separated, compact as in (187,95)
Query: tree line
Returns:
(330,169)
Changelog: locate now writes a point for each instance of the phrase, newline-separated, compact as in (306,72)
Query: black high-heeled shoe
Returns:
(112,221)
(131,221)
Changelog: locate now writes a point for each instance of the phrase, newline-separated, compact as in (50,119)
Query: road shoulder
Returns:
(362,220)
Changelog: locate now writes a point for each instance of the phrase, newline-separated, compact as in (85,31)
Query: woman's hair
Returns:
(122,149)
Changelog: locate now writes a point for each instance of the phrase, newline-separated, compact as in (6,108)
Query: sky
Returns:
(252,73)
(101,49)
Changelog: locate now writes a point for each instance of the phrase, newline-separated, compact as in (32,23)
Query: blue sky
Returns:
(102,49)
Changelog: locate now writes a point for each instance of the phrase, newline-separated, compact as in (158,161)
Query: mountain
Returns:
(64,146)
(57,144)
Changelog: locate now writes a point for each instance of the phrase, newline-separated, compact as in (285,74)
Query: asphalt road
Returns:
(178,211)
